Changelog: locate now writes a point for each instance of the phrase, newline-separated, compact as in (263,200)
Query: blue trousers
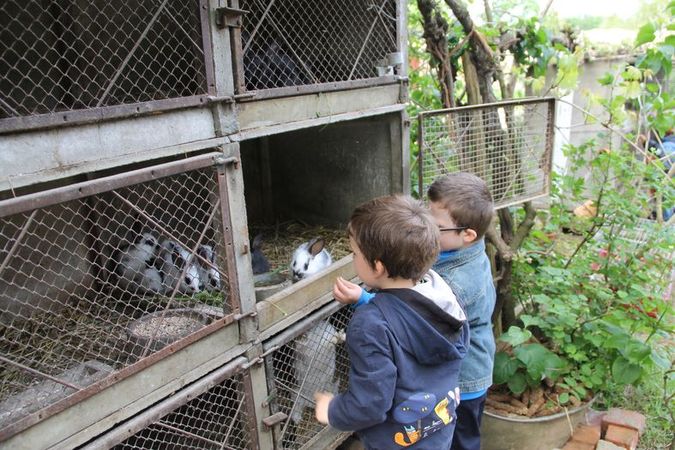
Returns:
(467,429)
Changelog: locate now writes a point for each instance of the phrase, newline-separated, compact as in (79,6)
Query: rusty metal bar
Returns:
(204,15)
(169,404)
(252,424)
(517,102)
(38,373)
(17,241)
(95,115)
(92,187)
(288,91)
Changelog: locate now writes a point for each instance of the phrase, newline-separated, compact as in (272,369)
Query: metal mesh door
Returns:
(214,412)
(97,278)
(309,356)
(309,42)
(507,144)
(77,55)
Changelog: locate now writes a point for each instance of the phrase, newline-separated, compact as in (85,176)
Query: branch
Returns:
(503,249)
(525,226)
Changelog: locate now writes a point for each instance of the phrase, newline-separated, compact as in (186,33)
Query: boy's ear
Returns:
(380,270)
(469,235)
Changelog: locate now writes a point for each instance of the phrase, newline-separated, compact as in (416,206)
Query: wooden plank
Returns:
(293,303)
(45,155)
(276,111)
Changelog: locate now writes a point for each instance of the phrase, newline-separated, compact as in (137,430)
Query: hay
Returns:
(281,240)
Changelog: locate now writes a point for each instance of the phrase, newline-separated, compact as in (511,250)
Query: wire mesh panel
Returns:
(309,42)
(308,357)
(507,144)
(97,276)
(73,55)
(218,418)
(214,412)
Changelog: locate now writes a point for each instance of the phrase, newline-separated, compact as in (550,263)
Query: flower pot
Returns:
(525,433)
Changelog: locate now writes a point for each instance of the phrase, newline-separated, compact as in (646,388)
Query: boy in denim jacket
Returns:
(463,209)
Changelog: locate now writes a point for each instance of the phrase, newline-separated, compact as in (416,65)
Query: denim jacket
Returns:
(467,271)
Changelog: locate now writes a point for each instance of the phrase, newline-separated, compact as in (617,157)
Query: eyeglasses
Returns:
(452,229)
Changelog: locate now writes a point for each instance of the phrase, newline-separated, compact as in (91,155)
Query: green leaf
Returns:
(504,368)
(517,383)
(606,79)
(539,361)
(564,398)
(516,336)
(625,372)
(646,34)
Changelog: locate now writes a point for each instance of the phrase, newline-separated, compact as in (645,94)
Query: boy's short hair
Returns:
(398,231)
(467,199)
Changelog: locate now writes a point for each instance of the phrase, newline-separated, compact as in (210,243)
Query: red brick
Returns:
(624,437)
(586,434)
(573,445)
(606,445)
(624,418)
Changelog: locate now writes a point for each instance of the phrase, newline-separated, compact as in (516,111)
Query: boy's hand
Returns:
(322,401)
(346,292)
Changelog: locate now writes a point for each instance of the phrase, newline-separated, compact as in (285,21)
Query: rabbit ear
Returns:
(315,246)
(257,241)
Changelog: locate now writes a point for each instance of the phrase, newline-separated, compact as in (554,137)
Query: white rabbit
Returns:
(314,365)
(310,258)
(173,259)
(135,265)
(209,276)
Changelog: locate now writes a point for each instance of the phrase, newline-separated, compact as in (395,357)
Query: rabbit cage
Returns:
(144,146)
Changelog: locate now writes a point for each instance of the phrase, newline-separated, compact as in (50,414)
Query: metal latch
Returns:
(229,17)
(274,419)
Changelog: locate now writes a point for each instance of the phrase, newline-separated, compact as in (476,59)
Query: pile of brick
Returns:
(616,429)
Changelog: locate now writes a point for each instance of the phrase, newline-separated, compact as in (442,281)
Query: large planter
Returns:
(524,433)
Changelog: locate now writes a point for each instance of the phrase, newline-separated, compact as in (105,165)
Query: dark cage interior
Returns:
(73,55)
(310,42)
(304,184)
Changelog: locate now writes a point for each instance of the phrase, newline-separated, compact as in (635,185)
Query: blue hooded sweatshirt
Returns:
(405,348)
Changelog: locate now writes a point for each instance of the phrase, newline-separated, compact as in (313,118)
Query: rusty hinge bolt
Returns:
(229,17)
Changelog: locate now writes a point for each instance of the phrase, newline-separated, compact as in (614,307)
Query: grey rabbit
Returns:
(314,365)
(310,258)
(134,264)
(209,275)
(173,260)
(259,263)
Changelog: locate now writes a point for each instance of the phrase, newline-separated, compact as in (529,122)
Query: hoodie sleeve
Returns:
(372,376)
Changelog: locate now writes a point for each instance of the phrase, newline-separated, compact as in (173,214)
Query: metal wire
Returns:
(315,360)
(308,42)
(509,145)
(92,285)
(65,56)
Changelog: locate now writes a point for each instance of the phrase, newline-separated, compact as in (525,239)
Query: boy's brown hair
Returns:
(398,231)
(467,199)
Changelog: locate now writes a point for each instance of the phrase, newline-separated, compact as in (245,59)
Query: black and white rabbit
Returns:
(310,258)
(259,263)
(314,365)
(134,264)
(209,275)
(173,259)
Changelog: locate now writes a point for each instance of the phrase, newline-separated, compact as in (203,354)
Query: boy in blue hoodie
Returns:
(406,343)
(463,209)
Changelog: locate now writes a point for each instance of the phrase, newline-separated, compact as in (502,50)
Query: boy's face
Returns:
(363,269)
(450,240)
